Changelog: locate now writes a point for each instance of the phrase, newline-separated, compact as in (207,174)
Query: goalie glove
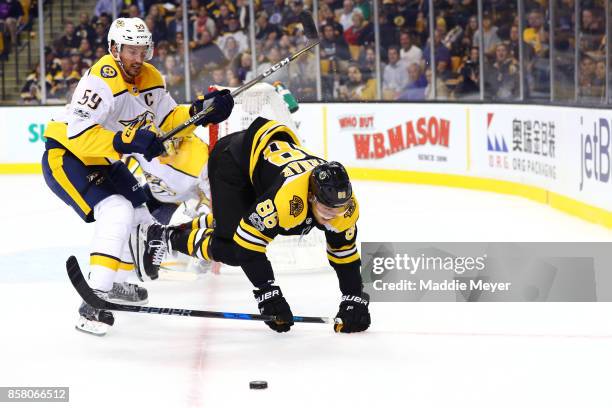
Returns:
(271,302)
(353,315)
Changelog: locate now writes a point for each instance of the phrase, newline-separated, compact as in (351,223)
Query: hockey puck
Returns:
(258,385)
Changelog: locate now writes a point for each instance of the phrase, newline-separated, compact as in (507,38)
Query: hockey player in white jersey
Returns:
(116,109)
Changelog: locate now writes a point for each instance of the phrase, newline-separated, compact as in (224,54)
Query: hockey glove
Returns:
(222,102)
(271,302)
(137,139)
(353,315)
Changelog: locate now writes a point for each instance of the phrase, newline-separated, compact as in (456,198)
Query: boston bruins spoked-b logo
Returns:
(350,208)
(108,72)
(296,206)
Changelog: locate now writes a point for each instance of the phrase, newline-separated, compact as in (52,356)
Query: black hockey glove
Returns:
(222,102)
(271,302)
(353,315)
(135,140)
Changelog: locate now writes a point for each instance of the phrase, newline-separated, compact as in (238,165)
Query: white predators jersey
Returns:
(104,103)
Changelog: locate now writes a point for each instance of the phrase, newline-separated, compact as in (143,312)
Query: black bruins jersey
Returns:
(279,168)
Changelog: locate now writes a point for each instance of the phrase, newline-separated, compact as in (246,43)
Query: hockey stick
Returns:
(78,281)
(310,31)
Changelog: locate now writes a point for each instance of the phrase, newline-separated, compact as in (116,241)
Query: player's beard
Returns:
(134,70)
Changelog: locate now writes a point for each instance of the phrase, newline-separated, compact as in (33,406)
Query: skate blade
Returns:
(127,302)
(94,328)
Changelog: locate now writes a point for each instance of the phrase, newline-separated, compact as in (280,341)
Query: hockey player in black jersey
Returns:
(265,183)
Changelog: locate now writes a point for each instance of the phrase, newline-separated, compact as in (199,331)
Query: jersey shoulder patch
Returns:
(107,70)
(291,201)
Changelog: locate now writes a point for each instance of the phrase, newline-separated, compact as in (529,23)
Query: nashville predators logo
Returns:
(108,72)
(120,23)
(296,206)
(140,120)
(350,208)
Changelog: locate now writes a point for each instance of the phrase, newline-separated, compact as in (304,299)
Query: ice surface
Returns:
(414,355)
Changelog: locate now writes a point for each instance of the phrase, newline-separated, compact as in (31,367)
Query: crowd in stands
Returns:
(221,53)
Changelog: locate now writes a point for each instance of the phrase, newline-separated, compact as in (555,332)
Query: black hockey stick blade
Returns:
(88,295)
(310,28)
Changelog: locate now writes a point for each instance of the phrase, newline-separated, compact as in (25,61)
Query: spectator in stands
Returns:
(442,55)
(293,16)
(106,7)
(175,24)
(12,14)
(70,39)
(367,62)
(100,52)
(502,81)
(30,92)
(538,69)
(133,11)
(357,88)
(203,23)
(277,11)
(263,29)
(468,33)
(234,31)
(345,15)
(441,89)
(85,29)
(409,53)
(394,75)
(174,75)
(62,79)
(333,47)
(388,33)
(100,38)
(206,54)
(232,79)
(80,66)
(161,52)
(214,7)
(157,28)
(327,17)
(361,32)
(245,67)
(535,35)
(230,49)
(513,44)
(52,63)
(469,85)
(415,88)
(217,77)
(490,38)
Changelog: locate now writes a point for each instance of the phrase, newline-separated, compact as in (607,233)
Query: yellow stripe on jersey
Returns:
(125,266)
(263,136)
(104,260)
(190,241)
(195,223)
(349,259)
(249,245)
(253,231)
(56,162)
(92,147)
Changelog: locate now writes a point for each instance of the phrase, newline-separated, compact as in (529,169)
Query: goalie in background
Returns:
(264,183)
(115,110)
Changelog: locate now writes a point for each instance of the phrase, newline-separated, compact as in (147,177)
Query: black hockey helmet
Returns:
(330,184)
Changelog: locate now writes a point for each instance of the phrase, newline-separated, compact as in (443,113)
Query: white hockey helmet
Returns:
(130,31)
